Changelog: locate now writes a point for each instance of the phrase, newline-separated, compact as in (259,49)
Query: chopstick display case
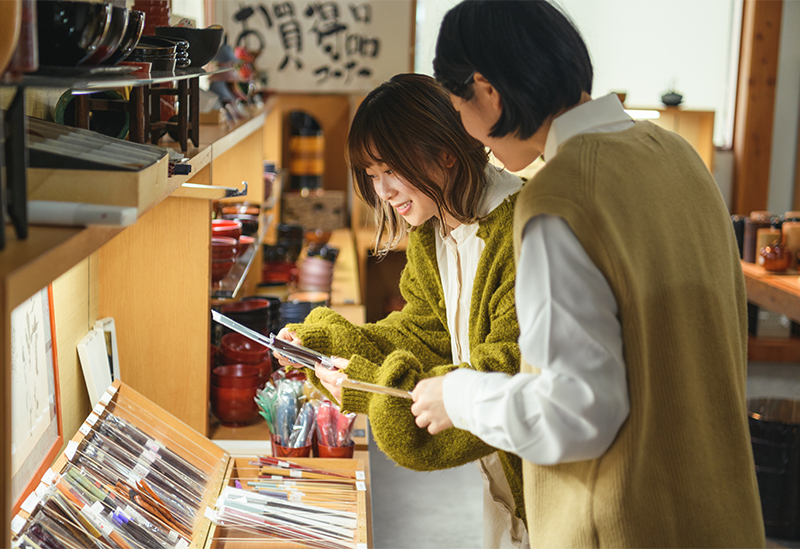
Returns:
(135,477)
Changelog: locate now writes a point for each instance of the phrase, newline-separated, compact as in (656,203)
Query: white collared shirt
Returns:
(575,407)
(458,254)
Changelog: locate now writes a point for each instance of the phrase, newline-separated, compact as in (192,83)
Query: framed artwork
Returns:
(36,432)
(332,46)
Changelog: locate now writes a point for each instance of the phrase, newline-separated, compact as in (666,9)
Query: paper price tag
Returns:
(98,408)
(360,475)
(284,464)
(182,544)
(97,508)
(289,483)
(111,389)
(72,447)
(85,429)
(151,445)
(294,473)
(41,490)
(211,514)
(48,476)
(362,546)
(140,470)
(173,535)
(92,419)
(150,455)
(296,496)
(30,503)
(361,486)
(17,524)
(106,398)
(275,477)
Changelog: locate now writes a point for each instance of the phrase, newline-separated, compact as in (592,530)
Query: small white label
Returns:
(362,546)
(275,477)
(141,470)
(48,476)
(284,464)
(210,514)
(92,419)
(149,456)
(30,503)
(98,408)
(41,489)
(111,389)
(97,508)
(296,496)
(152,445)
(289,483)
(361,486)
(85,429)
(360,475)
(17,524)
(182,544)
(294,473)
(72,447)
(106,398)
(173,535)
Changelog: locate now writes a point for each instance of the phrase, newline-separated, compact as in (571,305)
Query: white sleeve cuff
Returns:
(458,394)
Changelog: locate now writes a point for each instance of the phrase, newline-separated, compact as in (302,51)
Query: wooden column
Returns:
(755,104)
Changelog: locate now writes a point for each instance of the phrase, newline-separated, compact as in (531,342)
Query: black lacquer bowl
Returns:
(70,32)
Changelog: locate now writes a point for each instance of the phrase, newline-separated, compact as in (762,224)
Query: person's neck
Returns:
(539,139)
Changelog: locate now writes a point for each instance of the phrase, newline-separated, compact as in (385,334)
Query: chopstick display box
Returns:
(136,476)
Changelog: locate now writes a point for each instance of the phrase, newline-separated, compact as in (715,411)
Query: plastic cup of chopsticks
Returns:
(336,451)
(283,451)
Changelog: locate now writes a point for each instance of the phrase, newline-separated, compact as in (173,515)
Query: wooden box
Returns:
(138,189)
(219,468)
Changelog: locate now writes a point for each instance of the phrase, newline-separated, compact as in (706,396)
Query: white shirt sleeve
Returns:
(569,328)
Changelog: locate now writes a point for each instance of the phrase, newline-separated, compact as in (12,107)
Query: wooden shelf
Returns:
(776,292)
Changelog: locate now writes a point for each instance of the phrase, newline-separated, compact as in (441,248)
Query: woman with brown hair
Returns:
(423,175)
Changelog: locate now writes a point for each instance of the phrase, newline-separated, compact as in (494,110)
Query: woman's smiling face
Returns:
(412,204)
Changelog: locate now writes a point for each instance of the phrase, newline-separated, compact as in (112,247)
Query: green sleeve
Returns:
(392,423)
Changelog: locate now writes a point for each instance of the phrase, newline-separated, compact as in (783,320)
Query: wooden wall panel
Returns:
(161,307)
(755,104)
(241,163)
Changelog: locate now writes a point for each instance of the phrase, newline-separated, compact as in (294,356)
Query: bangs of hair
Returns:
(410,125)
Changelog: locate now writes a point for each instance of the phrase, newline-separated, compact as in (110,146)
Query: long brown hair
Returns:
(409,124)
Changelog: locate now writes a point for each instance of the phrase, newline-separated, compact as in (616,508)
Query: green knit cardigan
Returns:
(413,344)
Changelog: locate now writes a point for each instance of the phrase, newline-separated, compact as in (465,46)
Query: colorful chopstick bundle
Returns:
(333,427)
(288,412)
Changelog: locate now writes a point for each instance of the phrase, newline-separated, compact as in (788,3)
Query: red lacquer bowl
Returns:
(226,227)
(234,407)
(220,269)
(242,350)
(236,376)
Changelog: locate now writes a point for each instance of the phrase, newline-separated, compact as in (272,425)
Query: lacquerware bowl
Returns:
(234,407)
(203,43)
(249,222)
(241,349)
(129,40)
(70,32)
(236,376)
(226,227)
(109,44)
(245,242)
(221,268)
(223,247)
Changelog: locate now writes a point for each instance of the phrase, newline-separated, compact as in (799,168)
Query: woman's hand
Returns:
(428,405)
(329,378)
(291,337)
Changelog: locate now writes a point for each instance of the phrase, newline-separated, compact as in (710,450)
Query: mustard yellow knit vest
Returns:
(680,472)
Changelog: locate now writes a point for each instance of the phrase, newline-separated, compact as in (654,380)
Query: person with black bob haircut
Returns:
(629,412)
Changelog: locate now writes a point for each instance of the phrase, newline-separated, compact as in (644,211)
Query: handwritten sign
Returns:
(334,46)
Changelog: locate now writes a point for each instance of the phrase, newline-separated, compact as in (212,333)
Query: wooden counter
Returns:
(779,293)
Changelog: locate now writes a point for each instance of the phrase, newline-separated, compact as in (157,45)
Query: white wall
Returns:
(641,47)
(787,112)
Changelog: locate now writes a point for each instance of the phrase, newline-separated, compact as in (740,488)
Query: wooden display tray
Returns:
(139,189)
(198,450)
